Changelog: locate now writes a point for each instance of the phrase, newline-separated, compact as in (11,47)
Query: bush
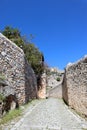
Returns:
(2,98)
(34,57)
(14,35)
(2,77)
(58,79)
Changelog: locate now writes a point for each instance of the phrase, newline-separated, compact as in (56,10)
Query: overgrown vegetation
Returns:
(58,79)
(14,35)
(34,57)
(2,77)
(32,53)
(2,97)
(10,115)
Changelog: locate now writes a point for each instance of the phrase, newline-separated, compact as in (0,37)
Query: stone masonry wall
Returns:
(75,86)
(19,76)
(55,92)
(54,87)
(42,86)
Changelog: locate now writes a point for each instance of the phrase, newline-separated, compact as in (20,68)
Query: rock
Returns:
(3,53)
(19,76)
(1,108)
(75,86)
(10,103)
(13,105)
(42,86)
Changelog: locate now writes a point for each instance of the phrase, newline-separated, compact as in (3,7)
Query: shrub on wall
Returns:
(32,53)
(2,77)
(58,79)
(2,98)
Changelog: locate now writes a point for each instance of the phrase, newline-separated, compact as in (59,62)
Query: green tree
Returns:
(34,57)
(14,35)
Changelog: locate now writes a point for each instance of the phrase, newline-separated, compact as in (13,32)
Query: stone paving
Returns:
(50,114)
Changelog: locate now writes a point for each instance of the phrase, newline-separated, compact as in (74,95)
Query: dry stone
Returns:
(75,85)
(19,76)
(42,86)
(1,105)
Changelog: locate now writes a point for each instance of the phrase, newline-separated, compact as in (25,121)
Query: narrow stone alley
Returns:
(50,114)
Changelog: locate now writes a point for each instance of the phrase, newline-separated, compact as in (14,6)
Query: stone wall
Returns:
(75,86)
(19,76)
(42,86)
(52,81)
(55,92)
(54,87)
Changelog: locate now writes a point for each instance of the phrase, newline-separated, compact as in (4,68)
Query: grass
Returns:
(10,115)
(2,98)
(16,113)
(2,77)
(32,102)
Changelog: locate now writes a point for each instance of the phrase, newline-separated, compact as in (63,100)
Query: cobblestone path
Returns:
(50,114)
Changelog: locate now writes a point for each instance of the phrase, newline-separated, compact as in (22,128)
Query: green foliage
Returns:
(10,115)
(2,77)
(11,32)
(17,112)
(14,35)
(33,55)
(58,79)
(2,98)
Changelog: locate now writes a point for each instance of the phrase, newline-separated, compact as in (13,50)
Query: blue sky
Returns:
(59,26)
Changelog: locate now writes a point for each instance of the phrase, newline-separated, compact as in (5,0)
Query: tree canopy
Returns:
(14,35)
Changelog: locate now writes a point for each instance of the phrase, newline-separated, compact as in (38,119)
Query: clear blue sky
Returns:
(59,26)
